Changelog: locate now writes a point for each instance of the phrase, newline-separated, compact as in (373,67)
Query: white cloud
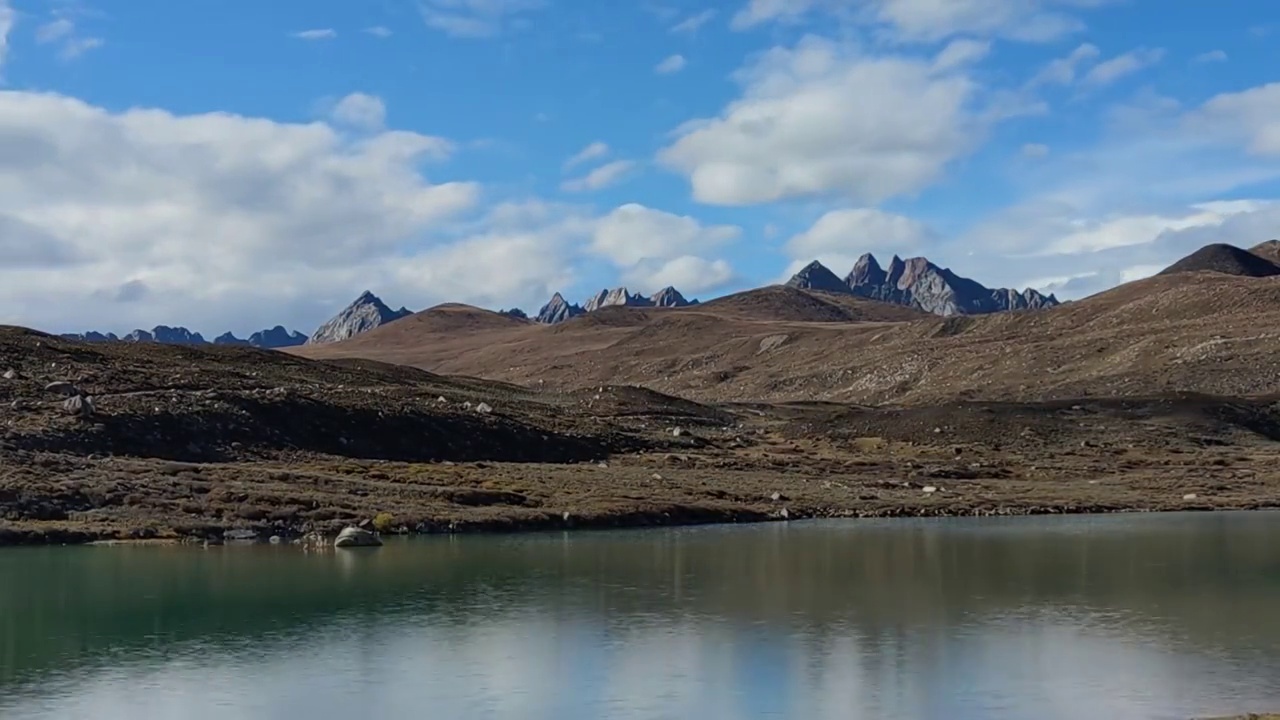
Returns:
(633,233)
(54,30)
(961,52)
(1035,150)
(817,119)
(839,237)
(7,19)
(1107,72)
(379,31)
(1250,117)
(1063,71)
(360,110)
(688,273)
(593,151)
(215,220)
(62,31)
(600,178)
(933,20)
(670,64)
(475,18)
(693,23)
(316,34)
(1211,57)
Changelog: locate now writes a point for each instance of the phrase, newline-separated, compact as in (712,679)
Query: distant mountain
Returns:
(276,337)
(918,283)
(816,276)
(557,309)
(363,315)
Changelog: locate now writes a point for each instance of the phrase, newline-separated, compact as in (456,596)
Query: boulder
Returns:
(62,388)
(356,537)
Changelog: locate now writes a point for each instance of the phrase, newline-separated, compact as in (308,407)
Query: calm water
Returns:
(1116,617)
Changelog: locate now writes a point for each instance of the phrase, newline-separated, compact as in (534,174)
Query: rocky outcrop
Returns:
(363,315)
(557,310)
(356,537)
(918,283)
(91,336)
(516,313)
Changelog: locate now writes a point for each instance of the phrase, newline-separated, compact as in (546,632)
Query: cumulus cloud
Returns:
(1250,117)
(633,233)
(475,18)
(688,273)
(593,151)
(360,110)
(602,177)
(961,52)
(1211,57)
(226,219)
(819,119)
(670,64)
(932,20)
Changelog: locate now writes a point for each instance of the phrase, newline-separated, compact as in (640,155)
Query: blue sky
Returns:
(235,164)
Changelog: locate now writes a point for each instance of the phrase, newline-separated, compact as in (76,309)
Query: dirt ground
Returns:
(187,444)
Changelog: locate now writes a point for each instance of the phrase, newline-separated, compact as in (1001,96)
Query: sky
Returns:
(238,164)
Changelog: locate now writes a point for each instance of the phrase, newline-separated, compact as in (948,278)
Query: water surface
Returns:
(1132,616)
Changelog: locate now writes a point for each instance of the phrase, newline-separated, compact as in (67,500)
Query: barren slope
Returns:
(1193,331)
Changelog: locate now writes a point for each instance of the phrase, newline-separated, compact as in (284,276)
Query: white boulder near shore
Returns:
(356,537)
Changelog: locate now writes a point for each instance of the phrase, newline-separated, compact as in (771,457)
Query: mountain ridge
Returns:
(917,282)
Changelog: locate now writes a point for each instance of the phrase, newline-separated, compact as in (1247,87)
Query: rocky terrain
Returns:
(778,403)
(918,283)
(362,315)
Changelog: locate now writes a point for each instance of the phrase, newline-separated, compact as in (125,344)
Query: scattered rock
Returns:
(937,431)
(352,536)
(784,514)
(677,432)
(275,540)
(1189,496)
(239,535)
(10,375)
(656,476)
(772,342)
(78,405)
(484,408)
(929,489)
(776,497)
(62,388)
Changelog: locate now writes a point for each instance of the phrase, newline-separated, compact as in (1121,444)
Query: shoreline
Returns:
(44,536)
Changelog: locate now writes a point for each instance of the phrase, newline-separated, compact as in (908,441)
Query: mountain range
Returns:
(918,283)
(915,282)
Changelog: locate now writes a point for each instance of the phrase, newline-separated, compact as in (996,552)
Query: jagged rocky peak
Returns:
(668,297)
(227,338)
(616,296)
(919,283)
(366,313)
(816,276)
(91,336)
(558,310)
(515,312)
(277,337)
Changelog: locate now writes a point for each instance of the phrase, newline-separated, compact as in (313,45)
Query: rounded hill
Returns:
(1226,259)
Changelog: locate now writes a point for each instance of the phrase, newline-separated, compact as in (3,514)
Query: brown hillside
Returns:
(1206,332)
(1269,250)
(782,302)
(1227,259)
